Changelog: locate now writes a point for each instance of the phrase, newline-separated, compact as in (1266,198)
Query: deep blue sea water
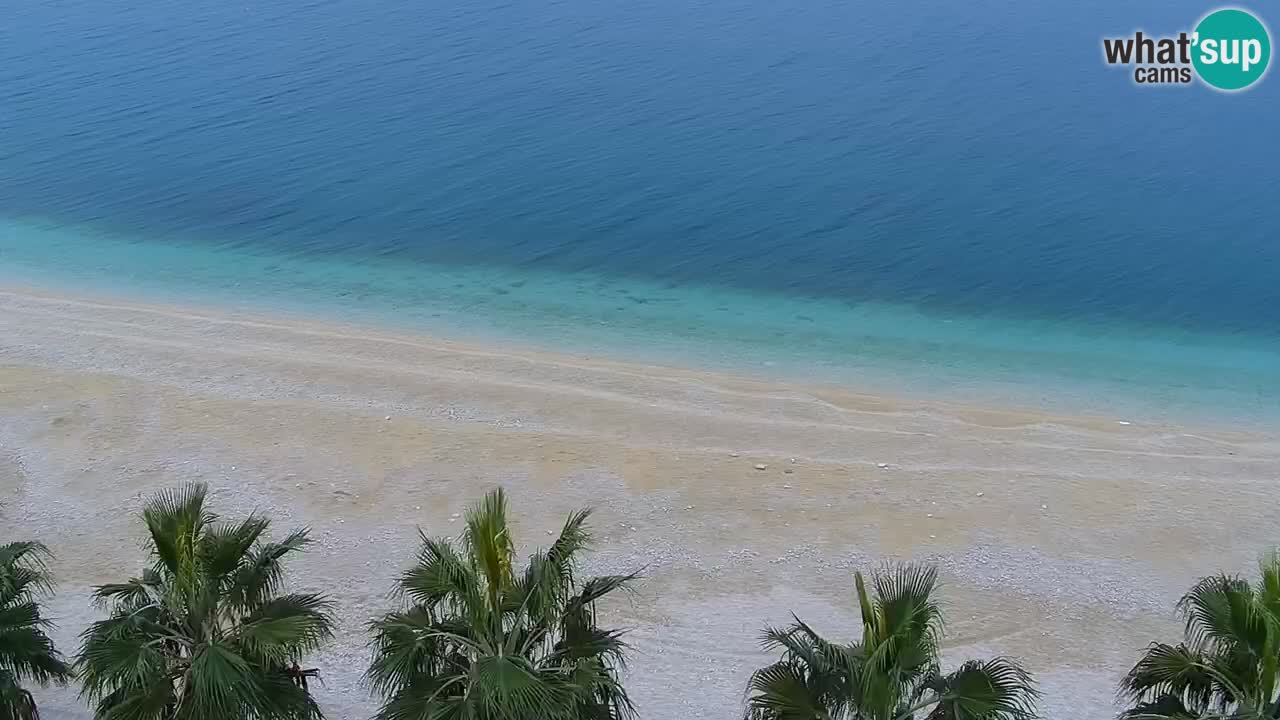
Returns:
(923,196)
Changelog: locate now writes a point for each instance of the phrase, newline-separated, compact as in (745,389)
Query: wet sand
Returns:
(1063,541)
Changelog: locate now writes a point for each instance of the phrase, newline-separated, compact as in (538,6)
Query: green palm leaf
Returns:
(27,654)
(996,689)
(203,634)
(1176,671)
(482,641)
(893,672)
(1228,665)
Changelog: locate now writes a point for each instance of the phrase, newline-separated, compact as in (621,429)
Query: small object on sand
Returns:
(761,466)
(786,486)
(387,417)
(933,537)
(733,454)
(688,507)
(340,520)
(793,461)
(928,514)
(552,533)
(789,471)
(453,519)
(981,494)
(1123,422)
(455,516)
(233,467)
(1044,507)
(883,466)
(417,507)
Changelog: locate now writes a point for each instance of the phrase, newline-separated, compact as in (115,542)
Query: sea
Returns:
(924,198)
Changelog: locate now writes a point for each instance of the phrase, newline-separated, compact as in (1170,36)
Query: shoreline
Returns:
(1068,367)
(1062,540)
(839,394)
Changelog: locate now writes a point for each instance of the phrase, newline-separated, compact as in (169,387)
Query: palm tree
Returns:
(26,652)
(893,673)
(202,634)
(480,641)
(1227,666)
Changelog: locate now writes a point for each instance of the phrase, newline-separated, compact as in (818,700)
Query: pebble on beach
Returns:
(761,466)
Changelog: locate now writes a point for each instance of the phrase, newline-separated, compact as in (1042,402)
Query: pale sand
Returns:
(1085,534)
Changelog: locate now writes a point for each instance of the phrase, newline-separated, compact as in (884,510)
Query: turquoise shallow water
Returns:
(1117,369)
(921,197)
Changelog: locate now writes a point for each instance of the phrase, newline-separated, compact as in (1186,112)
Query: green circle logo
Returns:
(1232,49)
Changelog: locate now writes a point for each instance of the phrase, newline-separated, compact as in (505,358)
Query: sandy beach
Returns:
(1063,541)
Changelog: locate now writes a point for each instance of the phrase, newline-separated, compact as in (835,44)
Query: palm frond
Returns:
(134,593)
(909,618)
(286,627)
(440,575)
(24,570)
(1221,611)
(16,702)
(121,651)
(175,519)
(261,573)
(405,649)
(489,545)
(203,634)
(286,694)
(152,701)
(1268,590)
(607,700)
(221,684)
(225,546)
(481,642)
(996,689)
(1163,707)
(573,538)
(429,697)
(27,653)
(893,672)
(510,686)
(25,650)
(1178,671)
(782,691)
